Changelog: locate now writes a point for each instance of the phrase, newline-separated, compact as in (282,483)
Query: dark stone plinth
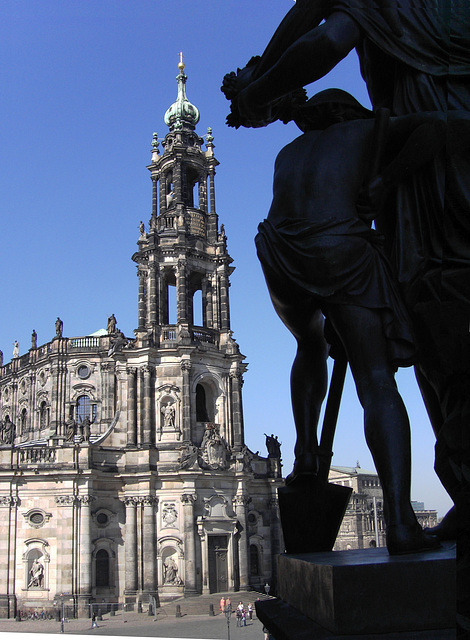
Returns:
(287,623)
(311,514)
(368,591)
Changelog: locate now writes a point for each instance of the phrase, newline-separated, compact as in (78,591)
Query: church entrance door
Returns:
(218,563)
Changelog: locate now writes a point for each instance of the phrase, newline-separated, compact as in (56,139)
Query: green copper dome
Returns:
(182,112)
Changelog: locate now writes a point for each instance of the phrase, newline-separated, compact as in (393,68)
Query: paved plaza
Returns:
(195,622)
(197,627)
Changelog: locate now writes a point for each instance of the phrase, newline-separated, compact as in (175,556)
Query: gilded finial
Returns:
(181,64)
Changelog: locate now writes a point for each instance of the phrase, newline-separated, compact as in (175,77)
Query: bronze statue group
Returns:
(366,246)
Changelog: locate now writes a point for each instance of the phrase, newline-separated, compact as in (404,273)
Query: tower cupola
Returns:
(181,113)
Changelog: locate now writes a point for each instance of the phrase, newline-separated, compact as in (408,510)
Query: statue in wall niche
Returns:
(59,328)
(393,295)
(7,431)
(111,326)
(36,574)
(168,415)
(170,572)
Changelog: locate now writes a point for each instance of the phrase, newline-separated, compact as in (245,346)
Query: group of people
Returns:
(242,613)
(394,295)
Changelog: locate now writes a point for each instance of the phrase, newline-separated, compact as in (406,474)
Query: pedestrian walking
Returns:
(239,617)
(250,610)
(222,604)
(243,618)
(94,624)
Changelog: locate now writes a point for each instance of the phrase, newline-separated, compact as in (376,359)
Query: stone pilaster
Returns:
(204,555)
(190,587)
(131,573)
(8,515)
(240,502)
(148,427)
(131,406)
(186,406)
(149,577)
(65,550)
(140,405)
(84,553)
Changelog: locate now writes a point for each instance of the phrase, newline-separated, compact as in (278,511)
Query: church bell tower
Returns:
(183,309)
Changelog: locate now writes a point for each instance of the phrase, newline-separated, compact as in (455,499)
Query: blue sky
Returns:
(84,84)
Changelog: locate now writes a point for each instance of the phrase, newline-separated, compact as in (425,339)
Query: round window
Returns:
(36,518)
(83,371)
(102,518)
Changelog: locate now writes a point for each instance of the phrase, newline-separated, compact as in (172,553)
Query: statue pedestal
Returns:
(363,592)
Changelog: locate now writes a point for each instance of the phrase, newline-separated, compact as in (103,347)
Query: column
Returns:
(130,548)
(188,500)
(181,293)
(204,556)
(149,582)
(240,502)
(162,297)
(277,540)
(84,553)
(8,550)
(142,299)
(131,406)
(224,300)
(212,190)
(154,195)
(207,300)
(186,400)
(147,407)
(163,180)
(237,415)
(140,405)
(153,294)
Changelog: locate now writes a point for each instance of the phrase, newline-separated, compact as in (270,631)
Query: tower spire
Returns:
(181,113)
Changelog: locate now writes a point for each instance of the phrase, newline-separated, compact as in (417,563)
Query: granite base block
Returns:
(368,591)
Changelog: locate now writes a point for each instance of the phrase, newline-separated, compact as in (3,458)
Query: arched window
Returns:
(197,308)
(254,560)
(43,416)
(85,409)
(24,421)
(102,568)
(202,414)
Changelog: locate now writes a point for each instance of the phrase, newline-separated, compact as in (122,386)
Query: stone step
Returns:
(200,605)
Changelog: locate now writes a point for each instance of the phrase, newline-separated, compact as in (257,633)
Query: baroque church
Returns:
(124,473)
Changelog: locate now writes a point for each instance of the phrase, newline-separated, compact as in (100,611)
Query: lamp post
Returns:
(228,613)
(61,613)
